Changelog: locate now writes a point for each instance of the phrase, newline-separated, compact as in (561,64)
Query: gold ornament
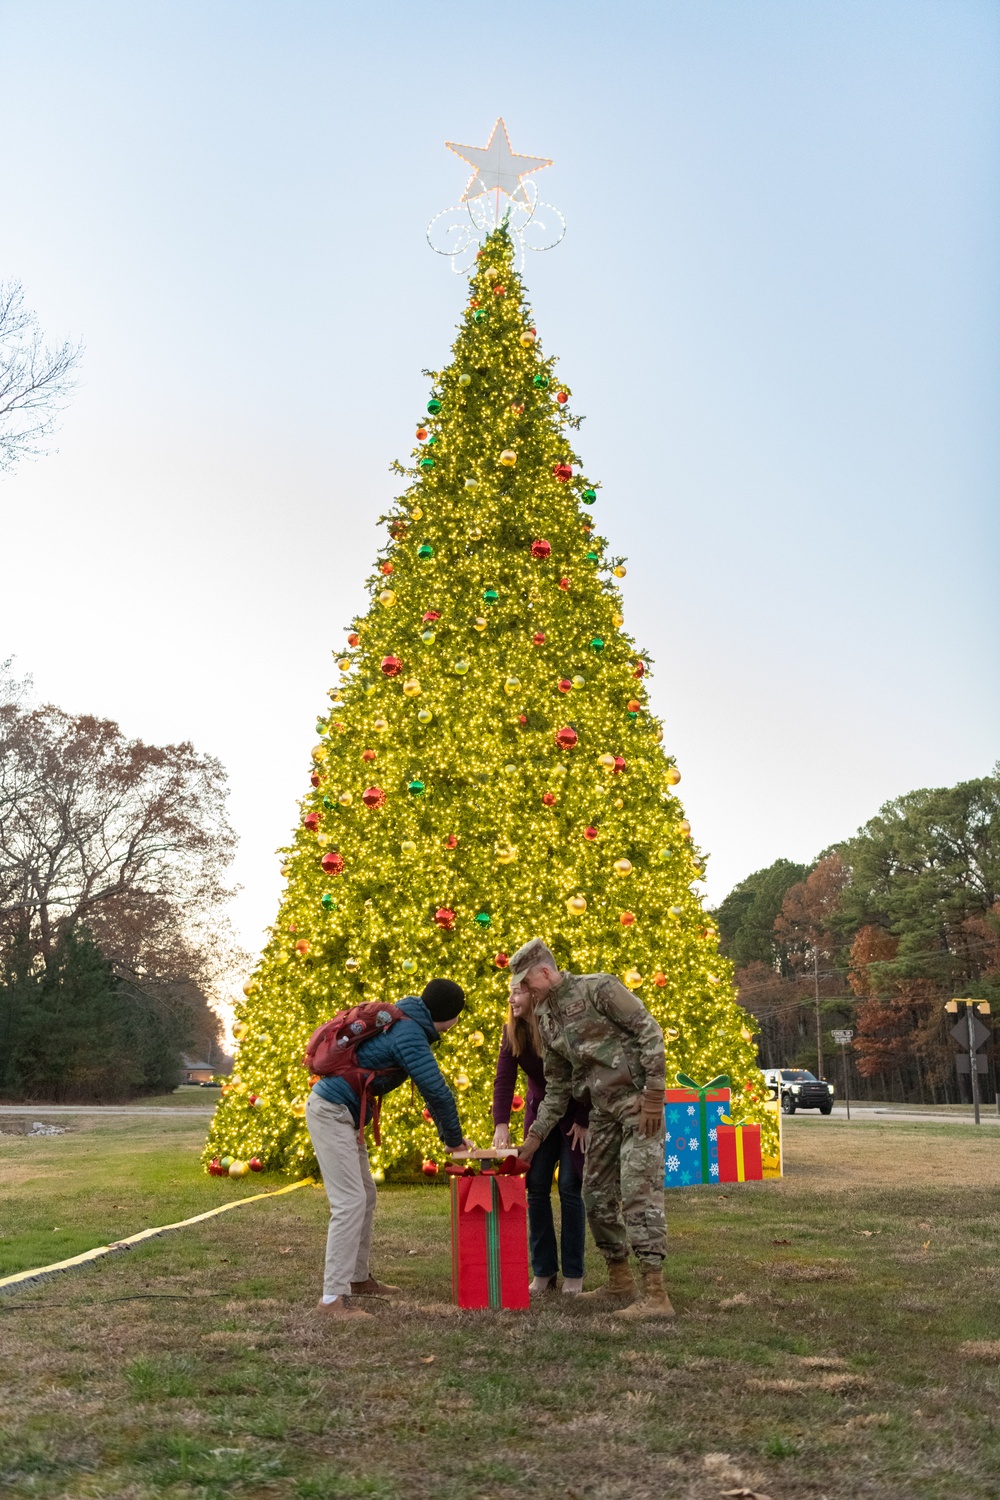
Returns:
(632,978)
(619,572)
(476,1039)
(475,535)
(251,984)
(345,799)
(461,667)
(298,1108)
(240,1030)
(607,761)
(465,379)
(617,620)
(506,853)
(508,458)
(622,867)
(323,839)
(712,978)
(685,827)
(673,775)
(408,847)
(411,688)
(619,803)
(576,906)
(510,769)
(318,752)
(462,1081)
(424,716)
(335,698)
(344,664)
(387,598)
(676,911)
(472,484)
(671,1033)
(417,513)
(511,686)
(378,1176)
(579,682)
(528,337)
(238,1169)
(658,734)
(381,725)
(351,965)
(479,624)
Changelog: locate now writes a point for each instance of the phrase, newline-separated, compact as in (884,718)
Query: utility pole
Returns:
(842,1038)
(819,1024)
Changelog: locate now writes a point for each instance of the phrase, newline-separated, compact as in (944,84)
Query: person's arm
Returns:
(414,1053)
(622,1007)
(558,1092)
(504,1083)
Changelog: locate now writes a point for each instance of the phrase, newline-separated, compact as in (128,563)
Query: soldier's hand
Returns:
(649,1112)
(531,1145)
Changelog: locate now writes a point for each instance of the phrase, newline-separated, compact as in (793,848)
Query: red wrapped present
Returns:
(489,1241)
(739,1154)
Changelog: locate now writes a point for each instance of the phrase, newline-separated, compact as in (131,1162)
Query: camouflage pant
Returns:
(623,1190)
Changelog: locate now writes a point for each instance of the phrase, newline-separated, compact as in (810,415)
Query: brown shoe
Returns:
(654,1302)
(372,1288)
(620,1288)
(339,1312)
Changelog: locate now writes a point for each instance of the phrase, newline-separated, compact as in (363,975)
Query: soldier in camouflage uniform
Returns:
(600,1042)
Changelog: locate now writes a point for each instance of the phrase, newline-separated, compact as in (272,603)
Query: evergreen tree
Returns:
(489,771)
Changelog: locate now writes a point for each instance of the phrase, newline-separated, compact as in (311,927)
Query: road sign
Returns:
(980,1034)
(963,1065)
(842,1037)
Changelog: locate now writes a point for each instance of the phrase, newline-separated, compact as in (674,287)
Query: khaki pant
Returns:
(347,1177)
(623,1190)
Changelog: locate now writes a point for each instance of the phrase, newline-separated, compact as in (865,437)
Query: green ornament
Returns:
(664,854)
(327,902)
(428,637)
(327,801)
(426,463)
(431,440)
(226,1162)
(434,406)
(425,550)
(483,918)
(321,726)
(597,644)
(367,687)
(540,382)
(465,379)
(593,557)
(590,496)
(479,316)
(490,596)
(409,965)
(415,788)
(461,667)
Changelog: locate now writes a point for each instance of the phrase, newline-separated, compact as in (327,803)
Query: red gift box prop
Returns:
(739,1154)
(489,1241)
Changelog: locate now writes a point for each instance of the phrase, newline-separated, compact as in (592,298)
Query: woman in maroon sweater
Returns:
(520,1047)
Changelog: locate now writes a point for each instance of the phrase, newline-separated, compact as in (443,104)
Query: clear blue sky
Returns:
(777,301)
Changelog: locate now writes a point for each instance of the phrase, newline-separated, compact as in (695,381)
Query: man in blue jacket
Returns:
(333,1115)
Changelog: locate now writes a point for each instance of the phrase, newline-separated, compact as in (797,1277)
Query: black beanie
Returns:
(444,999)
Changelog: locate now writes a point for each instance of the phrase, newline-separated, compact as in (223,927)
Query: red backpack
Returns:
(332,1051)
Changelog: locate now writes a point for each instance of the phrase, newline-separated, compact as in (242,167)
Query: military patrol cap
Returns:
(532,953)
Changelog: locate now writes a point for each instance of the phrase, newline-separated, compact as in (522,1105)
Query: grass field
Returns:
(838,1335)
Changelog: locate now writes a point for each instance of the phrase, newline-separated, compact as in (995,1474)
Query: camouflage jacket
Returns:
(599,1042)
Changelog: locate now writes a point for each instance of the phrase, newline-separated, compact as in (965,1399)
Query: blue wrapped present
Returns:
(692,1114)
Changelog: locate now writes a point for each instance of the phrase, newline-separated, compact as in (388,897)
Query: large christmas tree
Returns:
(489,769)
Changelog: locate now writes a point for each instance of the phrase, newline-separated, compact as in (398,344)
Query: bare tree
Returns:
(36,379)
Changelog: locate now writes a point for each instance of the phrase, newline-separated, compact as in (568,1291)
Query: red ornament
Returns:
(627,919)
(252,1098)
(215,1168)
(368,755)
(451,842)
(566,737)
(312,821)
(590,833)
(373,796)
(538,639)
(427,1115)
(517,1104)
(501,960)
(302,946)
(397,530)
(332,862)
(634,705)
(562,397)
(541,548)
(445,918)
(386,568)
(391,666)
(315,779)
(421,434)
(564,584)
(619,764)
(429,1168)
(563,472)
(354,639)
(640,669)
(659,979)
(255,1164)
(431,616)
(549,799)
(565,686)
(499,291)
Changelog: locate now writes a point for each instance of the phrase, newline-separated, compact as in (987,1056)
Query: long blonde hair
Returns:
(521,1032)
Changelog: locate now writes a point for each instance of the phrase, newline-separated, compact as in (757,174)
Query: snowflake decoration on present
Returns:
(673,1162)
(498,172)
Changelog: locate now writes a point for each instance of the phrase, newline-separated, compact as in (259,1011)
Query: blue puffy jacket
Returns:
(406,1049)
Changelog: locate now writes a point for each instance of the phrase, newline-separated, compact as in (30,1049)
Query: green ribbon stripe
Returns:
(722,1082)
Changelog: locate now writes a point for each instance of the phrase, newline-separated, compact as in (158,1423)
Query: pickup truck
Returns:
(797,1088)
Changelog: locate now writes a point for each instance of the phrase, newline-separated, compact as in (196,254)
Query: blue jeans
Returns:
(555,1151)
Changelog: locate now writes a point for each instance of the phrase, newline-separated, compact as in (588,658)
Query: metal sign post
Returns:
(971,1035)
(842,1038)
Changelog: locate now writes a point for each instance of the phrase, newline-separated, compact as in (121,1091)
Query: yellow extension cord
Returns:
(22,1279)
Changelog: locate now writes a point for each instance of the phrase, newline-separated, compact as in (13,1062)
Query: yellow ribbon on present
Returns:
(741,1174)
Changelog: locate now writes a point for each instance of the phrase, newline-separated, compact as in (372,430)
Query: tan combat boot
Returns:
(654,1302)
(621,1287)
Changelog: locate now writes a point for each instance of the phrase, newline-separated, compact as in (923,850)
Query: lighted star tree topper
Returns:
(489,770)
